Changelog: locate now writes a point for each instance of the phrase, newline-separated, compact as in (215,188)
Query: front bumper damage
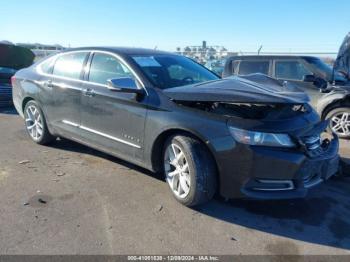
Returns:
(276,173)
(296,178)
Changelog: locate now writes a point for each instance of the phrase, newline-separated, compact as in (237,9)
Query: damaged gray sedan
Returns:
(240,137)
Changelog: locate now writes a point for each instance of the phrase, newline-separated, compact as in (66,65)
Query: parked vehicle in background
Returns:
(217,66)
(12,58)
(167,113)
(335,105)
(327,88)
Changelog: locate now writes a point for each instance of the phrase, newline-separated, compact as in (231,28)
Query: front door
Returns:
(112,120)
(294,71)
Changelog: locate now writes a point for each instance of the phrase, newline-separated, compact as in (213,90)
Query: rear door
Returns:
(64,87)
(294,70)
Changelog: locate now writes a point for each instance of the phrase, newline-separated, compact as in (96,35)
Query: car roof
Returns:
(264,57)
(122,50)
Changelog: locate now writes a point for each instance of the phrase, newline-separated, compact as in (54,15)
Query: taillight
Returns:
(13,79)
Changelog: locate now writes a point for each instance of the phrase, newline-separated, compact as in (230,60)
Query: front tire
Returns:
(35,123)
(189,170)
(339,121)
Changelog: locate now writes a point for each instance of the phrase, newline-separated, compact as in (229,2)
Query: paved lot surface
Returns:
(97,204)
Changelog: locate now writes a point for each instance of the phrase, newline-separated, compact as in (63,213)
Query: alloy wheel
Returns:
(340,123)
(177,171)
(34,122)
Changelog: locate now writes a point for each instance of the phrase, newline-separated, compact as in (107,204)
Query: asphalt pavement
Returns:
(70,199)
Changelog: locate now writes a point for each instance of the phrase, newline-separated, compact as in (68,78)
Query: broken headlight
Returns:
(261,139)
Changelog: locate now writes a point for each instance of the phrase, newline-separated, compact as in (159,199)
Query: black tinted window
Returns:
(70,65)
(293,70)
(251,67)
(104,67)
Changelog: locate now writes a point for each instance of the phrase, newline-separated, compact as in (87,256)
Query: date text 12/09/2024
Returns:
(173,258)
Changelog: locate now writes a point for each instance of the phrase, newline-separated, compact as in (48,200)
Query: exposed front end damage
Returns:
(265,170)
(290,173)
(249,110)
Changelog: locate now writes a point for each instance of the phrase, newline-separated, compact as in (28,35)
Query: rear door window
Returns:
(251,67)
(292,70)
(70,65)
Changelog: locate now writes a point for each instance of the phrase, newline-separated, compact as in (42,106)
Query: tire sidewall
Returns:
(45,130)
(333,112)
(199,171)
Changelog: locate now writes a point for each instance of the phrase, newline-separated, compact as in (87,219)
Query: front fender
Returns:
(160,125)
(329,99)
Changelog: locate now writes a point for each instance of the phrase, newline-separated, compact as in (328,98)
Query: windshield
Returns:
(323,69)
(167,71)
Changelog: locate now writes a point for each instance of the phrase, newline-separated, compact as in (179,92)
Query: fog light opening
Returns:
(273,185)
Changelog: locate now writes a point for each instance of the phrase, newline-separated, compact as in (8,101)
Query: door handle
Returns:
(89,92)
(48,84)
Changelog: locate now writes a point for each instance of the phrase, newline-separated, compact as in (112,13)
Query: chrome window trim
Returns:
(92,51)
(70,123)
(67,122)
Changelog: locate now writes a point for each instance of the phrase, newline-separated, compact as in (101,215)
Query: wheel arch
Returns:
(25,101)
(158,145)
(30,98)
(341,102)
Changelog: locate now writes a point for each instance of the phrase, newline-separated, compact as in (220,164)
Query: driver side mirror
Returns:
(124,85)
(322,84)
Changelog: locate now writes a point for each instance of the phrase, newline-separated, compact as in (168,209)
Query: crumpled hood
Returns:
(15,57)
(342,63)
(256,88)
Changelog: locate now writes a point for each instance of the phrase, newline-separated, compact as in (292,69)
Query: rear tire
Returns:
(339,121)
(189,170)
(35,123)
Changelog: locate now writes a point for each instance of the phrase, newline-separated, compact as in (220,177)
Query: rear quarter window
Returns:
(47,65)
